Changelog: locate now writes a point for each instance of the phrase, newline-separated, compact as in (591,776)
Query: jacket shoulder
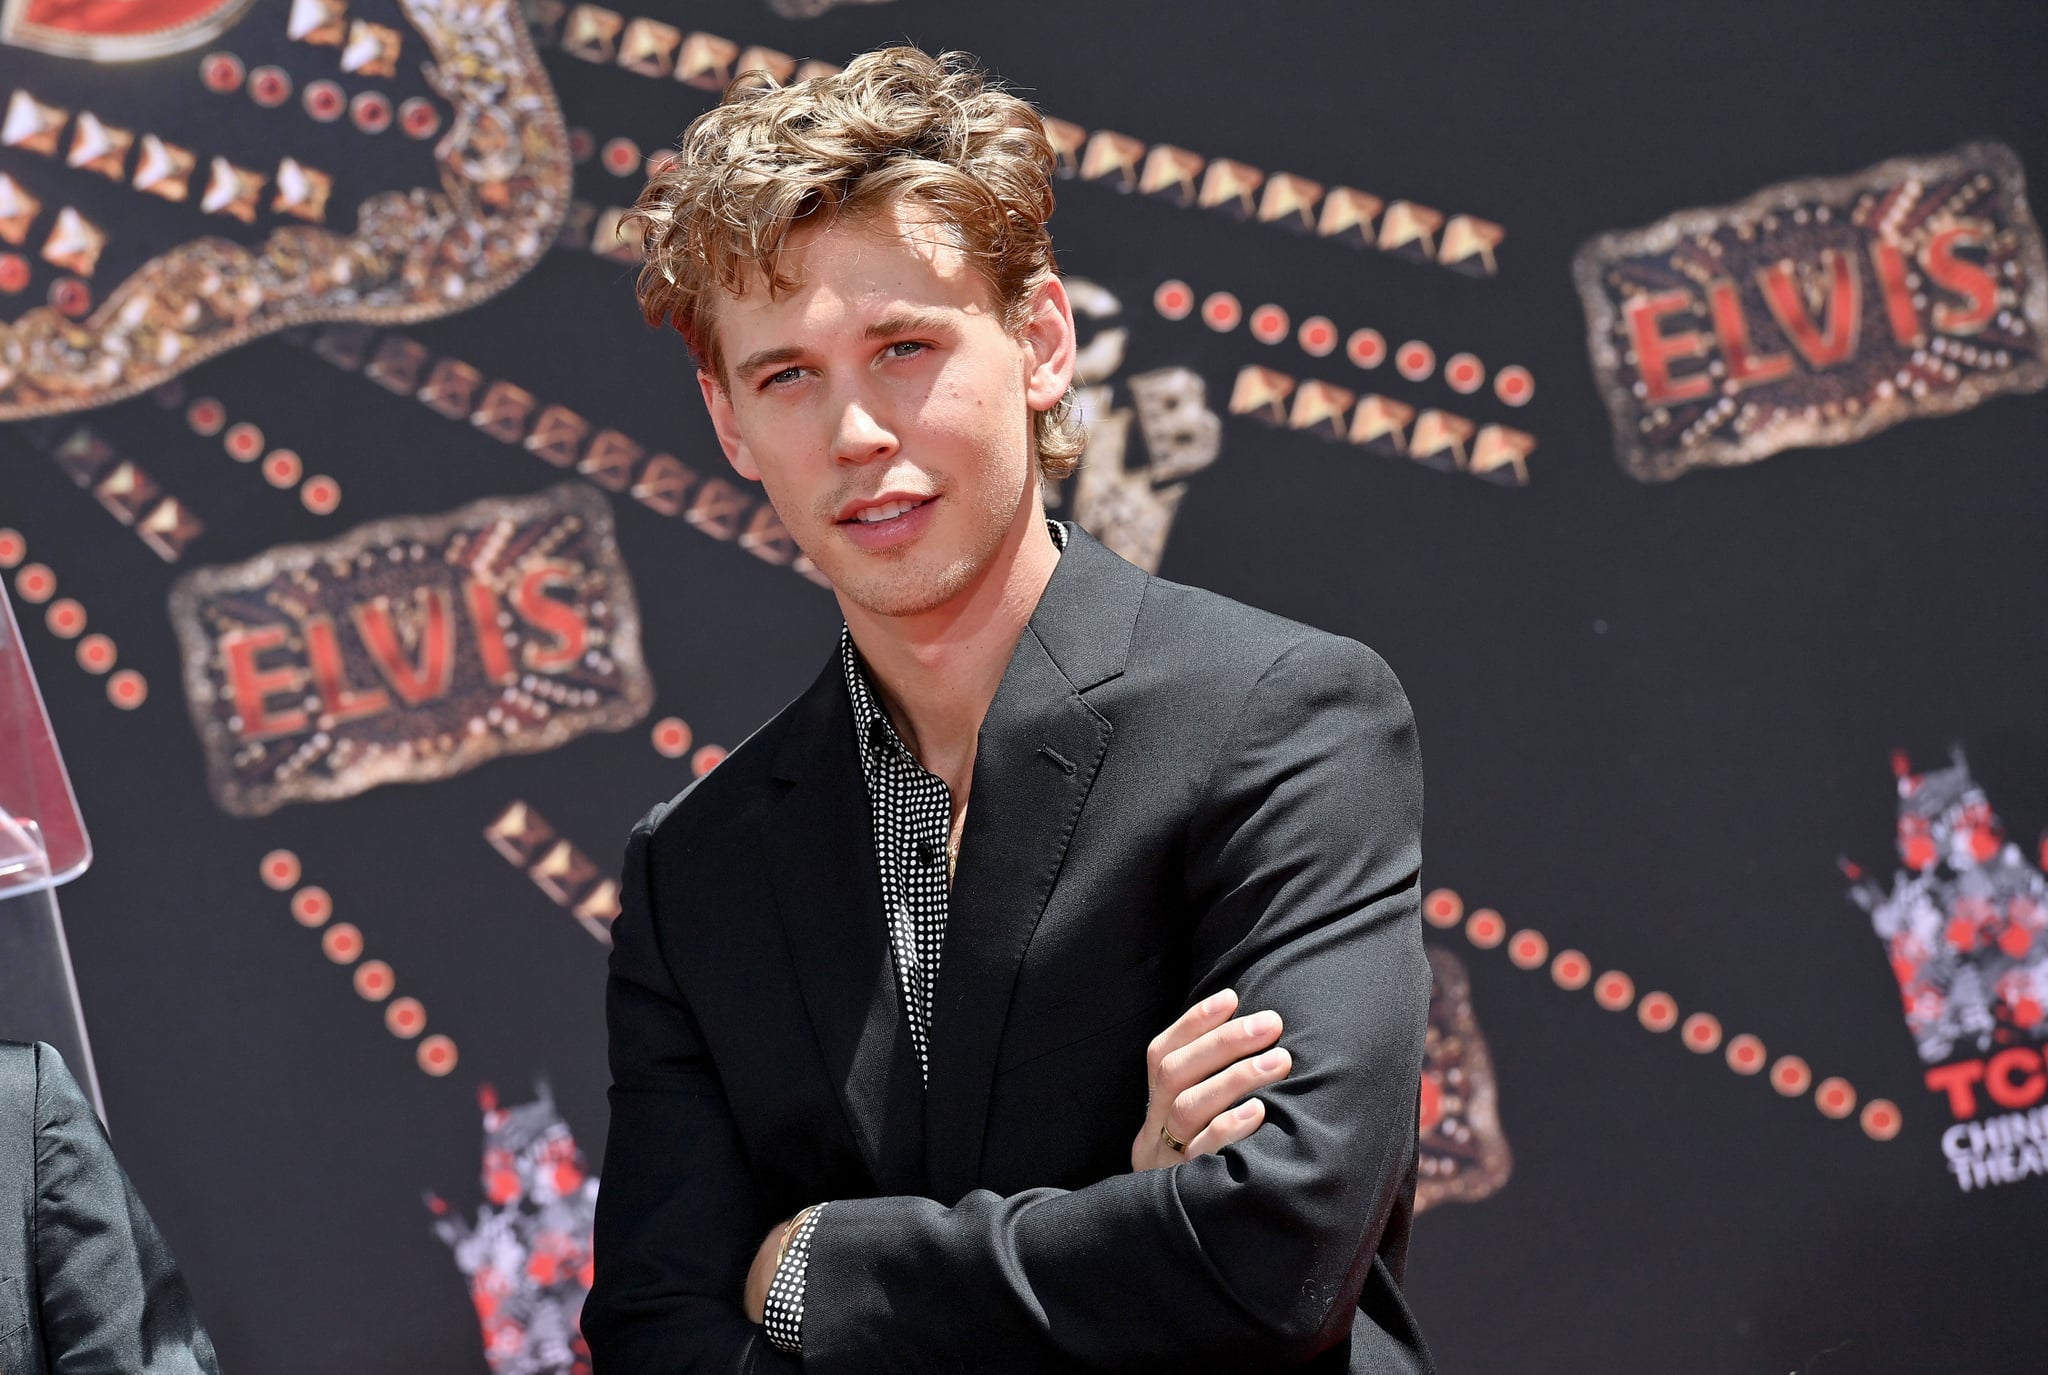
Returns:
(1210,636)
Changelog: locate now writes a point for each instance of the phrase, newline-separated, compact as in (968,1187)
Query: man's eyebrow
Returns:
(766,358)
(910,322)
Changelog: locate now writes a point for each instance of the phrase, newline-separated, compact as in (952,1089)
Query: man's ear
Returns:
(719,403)
(1049,335)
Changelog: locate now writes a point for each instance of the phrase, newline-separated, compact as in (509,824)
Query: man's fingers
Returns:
(1209,1052)
(1203,1016)
(1235,1125)
(1192,1110)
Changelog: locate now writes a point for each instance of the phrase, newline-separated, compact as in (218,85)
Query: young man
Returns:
(885,985)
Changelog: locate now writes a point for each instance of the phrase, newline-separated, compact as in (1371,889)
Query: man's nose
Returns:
(860,436)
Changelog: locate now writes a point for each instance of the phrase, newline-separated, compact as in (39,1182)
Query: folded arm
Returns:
(1303,869)
(670,1260)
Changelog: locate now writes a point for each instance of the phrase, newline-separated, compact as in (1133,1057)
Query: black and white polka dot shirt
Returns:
(912,810)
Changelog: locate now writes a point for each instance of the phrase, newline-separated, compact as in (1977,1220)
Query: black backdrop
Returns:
(1653,715)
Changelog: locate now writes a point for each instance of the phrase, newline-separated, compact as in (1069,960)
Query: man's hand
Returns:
(762,1271)
(1200,1071)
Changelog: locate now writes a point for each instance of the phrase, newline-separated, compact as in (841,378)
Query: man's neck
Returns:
(937,672)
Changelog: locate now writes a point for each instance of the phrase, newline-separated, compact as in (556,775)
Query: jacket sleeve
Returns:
(1303,864)
(677,1220)
(111,1299)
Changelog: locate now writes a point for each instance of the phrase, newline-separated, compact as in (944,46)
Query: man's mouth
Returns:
(875,515)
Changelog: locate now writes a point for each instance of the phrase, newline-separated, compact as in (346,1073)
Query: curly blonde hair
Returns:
(896,124)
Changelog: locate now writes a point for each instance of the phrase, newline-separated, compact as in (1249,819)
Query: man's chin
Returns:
(883,586)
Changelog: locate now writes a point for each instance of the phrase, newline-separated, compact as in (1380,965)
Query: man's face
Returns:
(886,409)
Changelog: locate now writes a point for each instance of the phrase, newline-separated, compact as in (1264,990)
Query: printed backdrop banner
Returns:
(1657,388)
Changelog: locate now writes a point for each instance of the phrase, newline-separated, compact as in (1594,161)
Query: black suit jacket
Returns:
(87,1286)
(1172,794)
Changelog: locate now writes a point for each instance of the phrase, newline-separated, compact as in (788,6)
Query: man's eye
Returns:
(786,375)
(907,348)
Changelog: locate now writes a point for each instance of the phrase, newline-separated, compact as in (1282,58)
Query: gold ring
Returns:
(1173,1143)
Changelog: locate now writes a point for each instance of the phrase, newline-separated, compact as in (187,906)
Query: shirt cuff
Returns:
(784,1315)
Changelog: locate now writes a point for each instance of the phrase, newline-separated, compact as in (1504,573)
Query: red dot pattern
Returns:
(671,737)
(1221,312)
(706,759)
(14,272)
(1366,348)
(206,416)
(221,72)
(343,943)
(282,468)
(1174,299)
(370,112)
(1415,360)
(1269,324)
(65,618)
(1464,374)
(324,101)
(279,870)
(419,118)
(96,653)
(270,87)
(127,689)
(1514,386)
(320,494)
(1658,1012)
(13,548)
(621,157)
(244,441)
(1528,950)
(71,296)
(1317,336)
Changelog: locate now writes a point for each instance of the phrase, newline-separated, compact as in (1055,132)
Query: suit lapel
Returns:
(1040,748)
(820,844)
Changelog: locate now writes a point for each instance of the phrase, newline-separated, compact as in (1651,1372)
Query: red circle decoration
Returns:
(1881,1120)
(1571,971)
(706,759)
(13,548)
(374,980)
(206,416)
(1221,312)
(127,689)
(661,160)
(418,117)
(243,441)
(70,297)
(1269,324)
(14,272)
(282,468)
(221,72)
(1614,990)
(1174,299)
(1486,928)
(311,905)
(321,494)
(1431,1106)
(65,618)
(279,870)
(1701,1032)
(1317,336)
(1528,950)
(1443,909)
(1745,1054)
(621,156)
(1415,360)
(581,144)
(342,943)
(1366,347)
(1513,385)
(96,653)
(1657,1012)
(36,583)
(1835,1098)
(671,737)
(1464,374)
(405,1018)
(270,86)
(1790,1076)
(324,100)
(370,111)
(437,1055)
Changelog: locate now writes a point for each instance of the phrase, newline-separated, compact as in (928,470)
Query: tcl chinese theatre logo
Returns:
(1965,925)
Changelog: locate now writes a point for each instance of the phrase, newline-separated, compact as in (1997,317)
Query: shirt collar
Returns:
(867,707)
